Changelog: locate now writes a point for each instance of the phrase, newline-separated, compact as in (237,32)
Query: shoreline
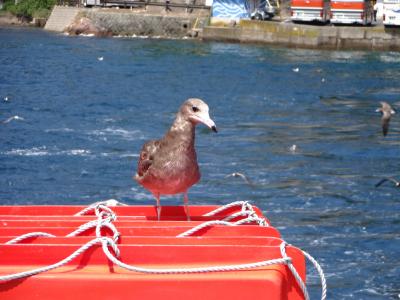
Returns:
(127,23)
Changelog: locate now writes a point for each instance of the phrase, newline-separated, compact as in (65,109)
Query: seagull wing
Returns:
(396,183)
(146,156)
(381,182)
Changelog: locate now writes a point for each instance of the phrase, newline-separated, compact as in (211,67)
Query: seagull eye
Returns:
(195,109)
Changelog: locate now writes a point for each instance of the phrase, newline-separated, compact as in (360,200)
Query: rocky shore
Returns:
(7,19)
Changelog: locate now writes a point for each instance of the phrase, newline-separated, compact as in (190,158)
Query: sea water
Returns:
(300,124)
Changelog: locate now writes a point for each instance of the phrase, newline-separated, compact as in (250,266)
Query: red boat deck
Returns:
(145,243)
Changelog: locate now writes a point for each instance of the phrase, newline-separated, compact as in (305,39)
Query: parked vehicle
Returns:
(264,11)
(391,13)
(352,12)
(310,11)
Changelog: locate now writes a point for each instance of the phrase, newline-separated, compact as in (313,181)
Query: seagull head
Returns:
(196,111)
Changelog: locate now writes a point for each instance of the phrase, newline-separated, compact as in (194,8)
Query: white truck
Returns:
(391,13)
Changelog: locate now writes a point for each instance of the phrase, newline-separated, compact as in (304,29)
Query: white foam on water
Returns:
(117,132)
(44,151)
(390,57)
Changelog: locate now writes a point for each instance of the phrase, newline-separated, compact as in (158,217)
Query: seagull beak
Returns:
(209,123)
(206,120)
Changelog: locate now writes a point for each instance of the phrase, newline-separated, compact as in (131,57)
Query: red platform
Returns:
(144,242)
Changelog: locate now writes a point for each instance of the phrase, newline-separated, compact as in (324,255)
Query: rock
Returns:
(84,25)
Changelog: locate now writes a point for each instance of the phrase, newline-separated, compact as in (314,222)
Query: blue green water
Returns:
(81,123)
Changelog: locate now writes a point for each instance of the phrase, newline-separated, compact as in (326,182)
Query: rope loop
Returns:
(225,207)
(106,203)
(294,271)
(246,210)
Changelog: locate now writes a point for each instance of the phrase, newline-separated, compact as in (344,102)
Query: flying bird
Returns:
(169,166)
(396,183)
(12,118)
(387,111)
(241,175)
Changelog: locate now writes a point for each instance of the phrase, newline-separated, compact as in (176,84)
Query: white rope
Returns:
(255,219)
(216,222)
(27,236)
(227,206)
(106,203)
(237,214)
(105,217)
(294,272)
(320,272)
(204,225)
(53,266)
(284,260)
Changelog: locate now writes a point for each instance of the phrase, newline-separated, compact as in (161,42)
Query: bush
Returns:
(30,8)
(42,13)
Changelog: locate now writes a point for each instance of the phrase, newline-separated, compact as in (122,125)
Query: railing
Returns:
(189,4)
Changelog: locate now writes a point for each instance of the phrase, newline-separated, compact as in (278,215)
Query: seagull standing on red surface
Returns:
(169,166)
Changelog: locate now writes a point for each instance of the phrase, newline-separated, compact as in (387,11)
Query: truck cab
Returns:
(391,13)
(352,12)
(310,11)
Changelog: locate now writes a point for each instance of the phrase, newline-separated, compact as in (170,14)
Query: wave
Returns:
(390,57)
(129,135)
(44,151)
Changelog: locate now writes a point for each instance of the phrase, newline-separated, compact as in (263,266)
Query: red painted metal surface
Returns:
(143,243)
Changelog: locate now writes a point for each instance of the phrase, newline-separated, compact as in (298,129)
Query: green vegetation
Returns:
(30,8)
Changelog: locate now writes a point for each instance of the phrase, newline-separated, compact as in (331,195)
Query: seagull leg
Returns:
(157,196)
(186,202)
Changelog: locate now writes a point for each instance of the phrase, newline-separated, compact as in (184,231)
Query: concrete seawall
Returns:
(155,21)
(150,20)
(306,36)
(144,24)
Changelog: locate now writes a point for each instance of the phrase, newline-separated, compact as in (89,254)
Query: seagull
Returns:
(296,70)
(169,166)
(396,183)
(6,99)
(101,58)
(387,111)
(237,174)
(13,118)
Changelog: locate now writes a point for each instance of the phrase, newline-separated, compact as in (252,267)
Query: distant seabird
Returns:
(237,174)
(387,111)
(101,58)
(169,166)
(396,183)
(13,118)
(296,70)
